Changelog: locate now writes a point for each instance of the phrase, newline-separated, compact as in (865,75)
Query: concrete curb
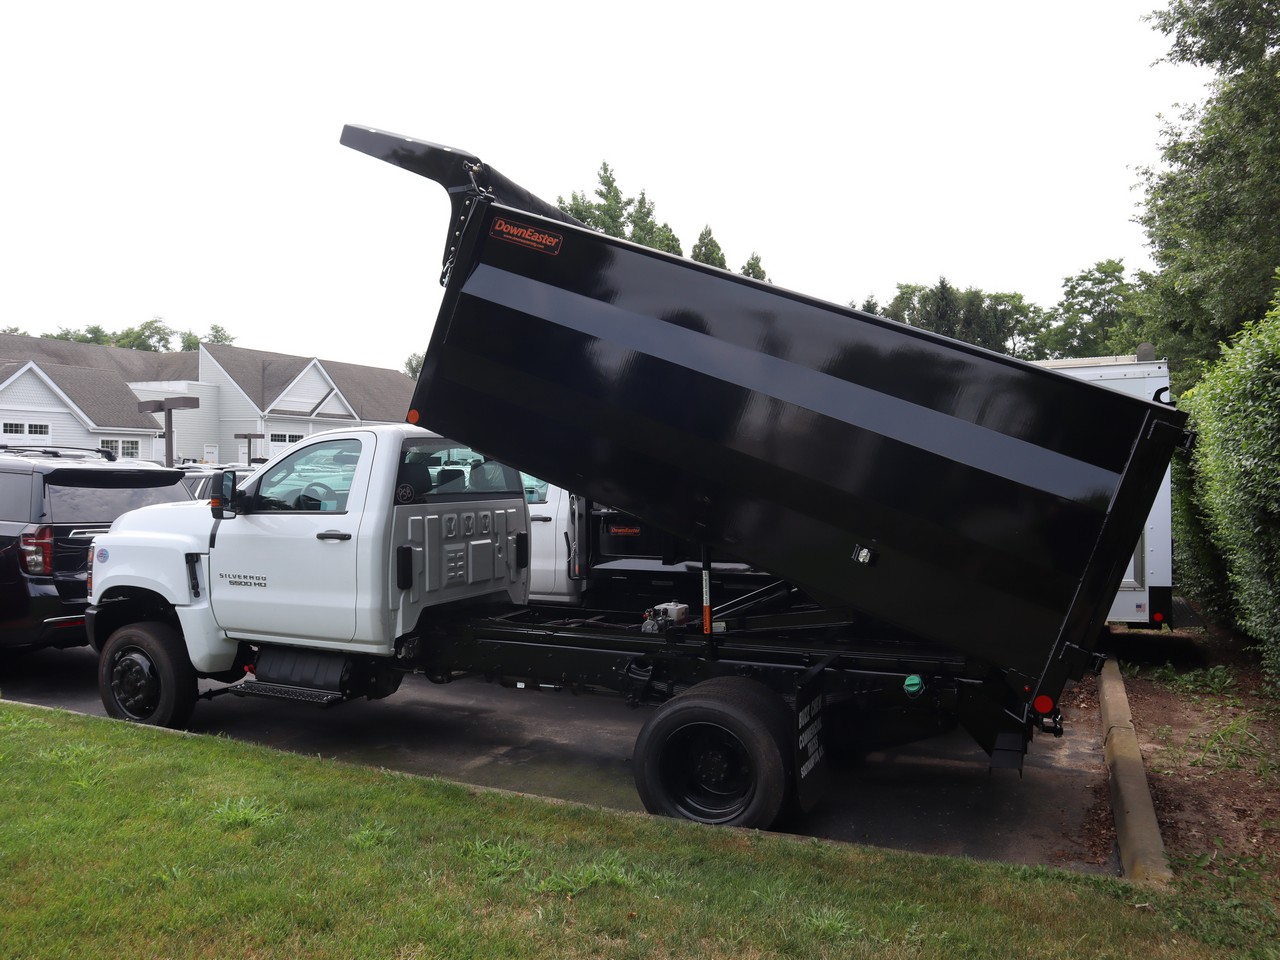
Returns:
(1142,855)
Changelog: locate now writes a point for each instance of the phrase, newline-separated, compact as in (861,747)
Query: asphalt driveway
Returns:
(934,796)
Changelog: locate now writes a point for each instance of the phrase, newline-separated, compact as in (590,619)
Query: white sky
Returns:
(182,160)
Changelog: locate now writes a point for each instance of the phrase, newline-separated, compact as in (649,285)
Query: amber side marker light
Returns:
(413,416)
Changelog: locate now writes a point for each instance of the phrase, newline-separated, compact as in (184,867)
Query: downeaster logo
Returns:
(526,235)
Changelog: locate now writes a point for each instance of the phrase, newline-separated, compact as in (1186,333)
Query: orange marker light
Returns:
(413,416)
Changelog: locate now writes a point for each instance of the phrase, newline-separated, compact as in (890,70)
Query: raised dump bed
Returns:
(964,497)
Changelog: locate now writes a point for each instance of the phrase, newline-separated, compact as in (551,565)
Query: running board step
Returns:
(280,691)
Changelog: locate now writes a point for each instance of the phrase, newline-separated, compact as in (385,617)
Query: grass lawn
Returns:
(131,842)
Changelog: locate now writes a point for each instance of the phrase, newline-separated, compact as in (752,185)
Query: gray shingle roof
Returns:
(133,366)
(101,395)
(96,378)
(374,393)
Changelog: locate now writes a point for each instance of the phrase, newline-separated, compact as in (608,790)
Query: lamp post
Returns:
(250,437)
(168,405)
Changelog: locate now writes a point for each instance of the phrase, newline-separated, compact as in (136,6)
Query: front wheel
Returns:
(144,675)
(718,753)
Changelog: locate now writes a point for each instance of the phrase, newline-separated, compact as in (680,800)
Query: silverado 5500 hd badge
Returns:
(242,580)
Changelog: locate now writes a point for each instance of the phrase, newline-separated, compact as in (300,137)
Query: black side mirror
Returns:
(222,495)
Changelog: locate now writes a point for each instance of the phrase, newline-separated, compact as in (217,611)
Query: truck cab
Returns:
(336,550)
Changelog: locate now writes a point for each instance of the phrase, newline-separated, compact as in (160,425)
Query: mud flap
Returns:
(812,767)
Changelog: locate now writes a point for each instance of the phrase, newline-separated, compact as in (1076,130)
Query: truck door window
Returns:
(432,468)
(535,490)
(315,479)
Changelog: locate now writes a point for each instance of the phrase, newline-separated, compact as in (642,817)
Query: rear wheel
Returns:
(144,675)
(718,753)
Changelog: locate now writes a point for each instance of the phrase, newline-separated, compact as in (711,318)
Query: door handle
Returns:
(539,518)
(332,535)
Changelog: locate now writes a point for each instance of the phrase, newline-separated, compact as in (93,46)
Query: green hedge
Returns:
(1227,512)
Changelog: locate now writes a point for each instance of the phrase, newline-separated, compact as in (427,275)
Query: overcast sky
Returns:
(182,160)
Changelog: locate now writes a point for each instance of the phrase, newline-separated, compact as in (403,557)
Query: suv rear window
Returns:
(72,503)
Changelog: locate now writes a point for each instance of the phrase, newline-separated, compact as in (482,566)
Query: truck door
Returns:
(554,538)
(287,565)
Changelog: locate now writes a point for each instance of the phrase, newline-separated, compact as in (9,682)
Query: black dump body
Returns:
(968,499)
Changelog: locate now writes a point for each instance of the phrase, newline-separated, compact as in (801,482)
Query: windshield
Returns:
(72,504)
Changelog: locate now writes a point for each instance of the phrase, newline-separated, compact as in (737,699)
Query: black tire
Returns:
(718,753)
(144,675)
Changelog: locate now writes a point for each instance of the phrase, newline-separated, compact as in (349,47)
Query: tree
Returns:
(153,335)
(630,218)
(1002,322)
(644,229)
(905,305)
(217,334)
(940,309)
(1211,209)
(753,269)
(90,334)
(869,305)
(1094,314)
(707,251)
(14,330)
(413,365)
(608,213)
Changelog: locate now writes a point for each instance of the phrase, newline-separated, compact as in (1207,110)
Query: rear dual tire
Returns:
(718,753)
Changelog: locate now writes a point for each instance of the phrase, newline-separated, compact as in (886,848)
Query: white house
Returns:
(251,403)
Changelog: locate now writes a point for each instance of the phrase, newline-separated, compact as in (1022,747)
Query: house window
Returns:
(285,437)
(121,448)
(14,429)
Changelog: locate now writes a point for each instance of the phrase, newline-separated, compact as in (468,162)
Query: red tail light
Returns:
(36,556)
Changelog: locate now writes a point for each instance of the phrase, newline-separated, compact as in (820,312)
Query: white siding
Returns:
(191,428)
(29,399)
(305,392)
(237,414)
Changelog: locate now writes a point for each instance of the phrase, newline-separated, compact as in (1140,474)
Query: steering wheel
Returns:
(315,493)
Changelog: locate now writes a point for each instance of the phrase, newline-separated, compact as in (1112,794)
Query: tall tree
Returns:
(154,335)
(1094,315)
(190,340)
(940,309)
(1002,322)
(645,230)
(608,212)
(708,251)
(753,269)
(1212,207)
(14,330)
(93,333)
(413,365)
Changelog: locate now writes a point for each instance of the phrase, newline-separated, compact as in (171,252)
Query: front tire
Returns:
(144,675)
(718,753)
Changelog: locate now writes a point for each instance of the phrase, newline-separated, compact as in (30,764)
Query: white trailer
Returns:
(1145,597)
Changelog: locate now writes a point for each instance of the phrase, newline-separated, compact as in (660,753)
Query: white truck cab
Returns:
(337,545)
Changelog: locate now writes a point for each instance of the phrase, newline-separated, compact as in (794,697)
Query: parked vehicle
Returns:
(944,527)
(53,500)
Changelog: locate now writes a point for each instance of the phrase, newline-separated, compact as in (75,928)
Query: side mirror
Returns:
(222,493)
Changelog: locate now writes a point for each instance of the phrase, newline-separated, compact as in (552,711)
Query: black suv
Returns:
(53,501)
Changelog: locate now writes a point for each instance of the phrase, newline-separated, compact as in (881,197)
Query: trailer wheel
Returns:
(144,675)
(718,753)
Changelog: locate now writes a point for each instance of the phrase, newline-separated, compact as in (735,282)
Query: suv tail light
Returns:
(37,552)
